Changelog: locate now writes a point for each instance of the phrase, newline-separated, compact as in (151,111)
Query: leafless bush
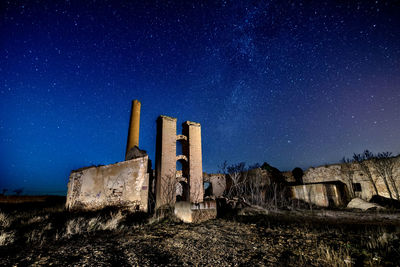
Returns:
(237,175)
(348,172)
(384,165)
(255,189)
(275,197)
(362,161)
(168,188)
(250,184)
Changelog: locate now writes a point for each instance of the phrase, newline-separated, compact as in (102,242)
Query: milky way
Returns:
(292,83)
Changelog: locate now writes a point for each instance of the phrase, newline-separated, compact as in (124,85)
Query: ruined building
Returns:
(129,183)
(336,184)
(190,178)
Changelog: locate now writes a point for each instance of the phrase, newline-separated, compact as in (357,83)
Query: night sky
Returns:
(292,83)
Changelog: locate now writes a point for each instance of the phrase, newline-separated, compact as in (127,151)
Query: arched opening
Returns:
(179,147)
(208,190)
(182,191)
(181,168)
(179,165)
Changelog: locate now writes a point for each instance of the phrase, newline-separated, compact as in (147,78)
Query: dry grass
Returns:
(332,257)
(6,238)
(83,225)
(5,220)
(54,236)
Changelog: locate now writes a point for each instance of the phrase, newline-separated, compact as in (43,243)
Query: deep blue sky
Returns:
(292,83)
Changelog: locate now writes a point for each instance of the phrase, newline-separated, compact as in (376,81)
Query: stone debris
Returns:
(358,203)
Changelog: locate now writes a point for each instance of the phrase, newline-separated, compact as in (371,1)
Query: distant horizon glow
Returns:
(291,83)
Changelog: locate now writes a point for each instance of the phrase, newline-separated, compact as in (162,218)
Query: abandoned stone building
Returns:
(335,184)
(178,180)
(133,184)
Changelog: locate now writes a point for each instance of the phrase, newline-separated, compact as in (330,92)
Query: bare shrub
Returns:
(384,165)
(348,172)
(249,184)
(362,161)
(275,196)
(168,188)
(255,189)
(236,175)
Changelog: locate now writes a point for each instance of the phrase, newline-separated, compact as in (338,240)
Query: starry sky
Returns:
(292,83)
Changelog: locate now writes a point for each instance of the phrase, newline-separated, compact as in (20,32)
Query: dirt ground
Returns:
(296,238)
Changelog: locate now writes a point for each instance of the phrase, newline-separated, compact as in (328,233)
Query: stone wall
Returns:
(217,181)
(122,184)
(196,213)
(353,174)
(321,194)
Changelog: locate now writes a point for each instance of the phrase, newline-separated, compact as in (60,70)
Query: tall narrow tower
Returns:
(167,176)
(134,125)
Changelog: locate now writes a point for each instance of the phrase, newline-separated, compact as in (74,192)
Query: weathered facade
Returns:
(123,184)
(126,184)
(190,177)
(330,194)
(217,182)
(356,183)
(356,179)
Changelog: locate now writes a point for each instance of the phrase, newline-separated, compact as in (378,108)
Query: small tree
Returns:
(168,193)
(348,172)
(384,165)
(238,176)
(361,160)
(255,188)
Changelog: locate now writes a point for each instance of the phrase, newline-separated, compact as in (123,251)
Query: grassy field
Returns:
(43,233)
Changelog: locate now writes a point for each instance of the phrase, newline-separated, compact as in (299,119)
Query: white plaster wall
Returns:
(122,184)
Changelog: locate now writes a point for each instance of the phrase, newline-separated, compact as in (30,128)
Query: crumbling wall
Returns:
(195,213)
(323,195)
(339,172)
(217,181)
(122,184)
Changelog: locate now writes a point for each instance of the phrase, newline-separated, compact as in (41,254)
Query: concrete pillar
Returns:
(193,132)
(166,161)
(134,125)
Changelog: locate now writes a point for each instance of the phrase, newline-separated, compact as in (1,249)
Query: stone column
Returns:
(193,132)
(134,125)
(165,161)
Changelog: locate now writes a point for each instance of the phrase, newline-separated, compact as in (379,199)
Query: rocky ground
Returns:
(321,238)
